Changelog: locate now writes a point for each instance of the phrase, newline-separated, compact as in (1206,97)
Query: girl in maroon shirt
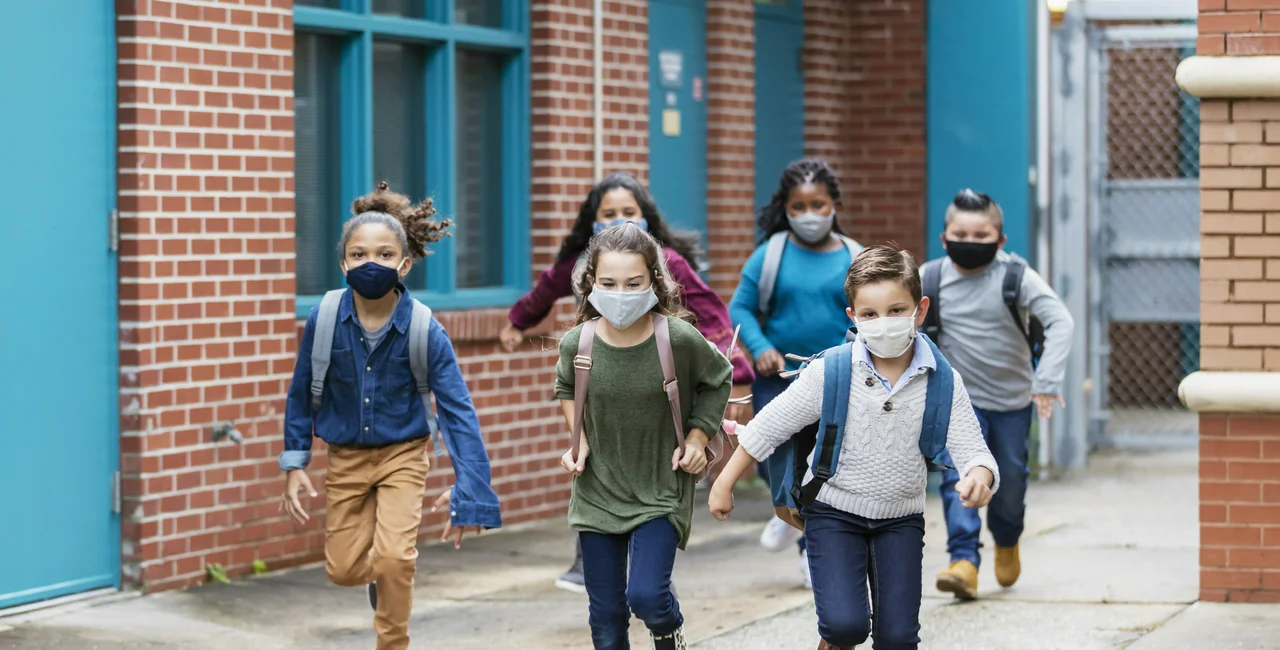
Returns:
(617,198)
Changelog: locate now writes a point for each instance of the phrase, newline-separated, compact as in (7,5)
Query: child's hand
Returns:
(296,481)
(720,500)
(575,467)
(770,363)
(694,459)
(975,488)
(443,501)
(1044,404)
(510,337)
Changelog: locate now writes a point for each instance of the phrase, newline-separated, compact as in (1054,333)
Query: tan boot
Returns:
(1008,565)
(961,579)
(823,645)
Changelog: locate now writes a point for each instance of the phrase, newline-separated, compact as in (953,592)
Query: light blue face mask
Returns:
(622,308)
(641,224)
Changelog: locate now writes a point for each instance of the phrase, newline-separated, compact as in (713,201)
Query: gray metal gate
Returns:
(1144,235)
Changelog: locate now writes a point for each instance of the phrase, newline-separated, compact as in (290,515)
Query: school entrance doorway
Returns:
(59,342)
(678,112)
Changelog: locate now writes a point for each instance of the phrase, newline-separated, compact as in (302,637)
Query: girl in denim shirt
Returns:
(374,420)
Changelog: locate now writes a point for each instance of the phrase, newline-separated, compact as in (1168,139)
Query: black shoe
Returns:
(573,580)
(372,590)
(673,641)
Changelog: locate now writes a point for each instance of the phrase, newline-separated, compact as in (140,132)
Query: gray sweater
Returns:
(881,473)
(981,340)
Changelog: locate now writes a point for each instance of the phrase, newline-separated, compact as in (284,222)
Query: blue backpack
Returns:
(828,433)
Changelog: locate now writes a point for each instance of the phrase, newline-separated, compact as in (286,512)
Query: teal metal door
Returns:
(779,92)
(58,327)
(678,111)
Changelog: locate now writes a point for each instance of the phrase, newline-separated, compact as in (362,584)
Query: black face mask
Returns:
(971,255)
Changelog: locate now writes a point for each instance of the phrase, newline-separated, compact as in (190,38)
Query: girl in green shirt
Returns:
(633,487)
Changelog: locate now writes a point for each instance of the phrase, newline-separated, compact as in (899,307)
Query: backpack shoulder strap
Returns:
(837,371)
(662,332)
(930,285)
(322,344)
(769,272)
(581,374)
(853,246)
(937,409)
(1011,287)
(420,366)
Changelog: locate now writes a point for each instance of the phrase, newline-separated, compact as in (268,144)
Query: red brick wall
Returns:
(865,112)
(1238,27)
(730,139)
(1240,508)
(206,282)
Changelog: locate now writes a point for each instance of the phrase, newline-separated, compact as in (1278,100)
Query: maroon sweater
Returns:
(707,308)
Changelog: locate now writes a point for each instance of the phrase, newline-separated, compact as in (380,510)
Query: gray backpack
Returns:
(773,259)
(419,364)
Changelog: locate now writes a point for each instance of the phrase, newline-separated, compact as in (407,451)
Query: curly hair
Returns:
(686,244)
(628,238)
(772,217)
(412,224)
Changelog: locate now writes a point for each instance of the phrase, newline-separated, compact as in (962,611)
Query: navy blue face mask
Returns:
(641,224)
(372,280)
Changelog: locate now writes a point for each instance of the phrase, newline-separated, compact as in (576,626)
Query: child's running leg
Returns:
(963,524)
(399,478)
(653,555)
(1008,439)
(897,553)
(604,570)
(838,560)
(350,504)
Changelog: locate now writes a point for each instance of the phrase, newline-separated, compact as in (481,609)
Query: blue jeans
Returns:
(762,392)
(1006,433)
(845,551)
(613,597)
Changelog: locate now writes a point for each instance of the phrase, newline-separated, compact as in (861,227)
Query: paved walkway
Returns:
(1110,561)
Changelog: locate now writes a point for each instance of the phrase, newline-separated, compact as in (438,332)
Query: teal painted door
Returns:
(58,329)
(980,111)
(678,111)
(779,92)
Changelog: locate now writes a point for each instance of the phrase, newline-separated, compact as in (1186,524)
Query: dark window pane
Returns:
(406,8)
(479,169)
(316,176)
(398,122)
(328,4)
(486,13)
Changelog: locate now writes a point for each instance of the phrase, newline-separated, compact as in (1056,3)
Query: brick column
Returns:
(206,285)
(1239,86)
(730,139)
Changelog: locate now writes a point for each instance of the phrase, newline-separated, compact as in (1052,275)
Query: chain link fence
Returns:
(1146,333)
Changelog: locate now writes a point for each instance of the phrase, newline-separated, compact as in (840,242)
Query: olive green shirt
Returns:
(628,479)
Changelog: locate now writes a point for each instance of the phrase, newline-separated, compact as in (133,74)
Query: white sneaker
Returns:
(804,569)
(778,535)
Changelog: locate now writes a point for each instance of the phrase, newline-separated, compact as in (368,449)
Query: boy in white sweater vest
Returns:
(867,521)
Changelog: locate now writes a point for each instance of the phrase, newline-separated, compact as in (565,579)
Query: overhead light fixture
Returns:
(1057,11)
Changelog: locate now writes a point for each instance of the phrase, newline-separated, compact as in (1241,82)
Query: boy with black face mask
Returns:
(984,327)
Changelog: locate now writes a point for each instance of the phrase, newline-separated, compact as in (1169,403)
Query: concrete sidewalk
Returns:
(1110,559)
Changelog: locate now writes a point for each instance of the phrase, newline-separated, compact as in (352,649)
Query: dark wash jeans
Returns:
(1007,434)
(845,552)
(763,391)
(613,597)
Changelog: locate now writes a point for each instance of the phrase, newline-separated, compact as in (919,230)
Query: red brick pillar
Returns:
(731,114)
(206,285)
(1237,77)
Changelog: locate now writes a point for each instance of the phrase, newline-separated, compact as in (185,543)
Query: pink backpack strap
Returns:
(581,373)
(662,332)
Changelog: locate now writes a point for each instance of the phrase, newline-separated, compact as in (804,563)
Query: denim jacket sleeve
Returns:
(473,501)
(298,420)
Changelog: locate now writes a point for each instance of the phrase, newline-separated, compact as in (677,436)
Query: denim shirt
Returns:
(371,400)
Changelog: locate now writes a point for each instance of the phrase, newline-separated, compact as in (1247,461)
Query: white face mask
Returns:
(888,338)
(622,308)
(810,227)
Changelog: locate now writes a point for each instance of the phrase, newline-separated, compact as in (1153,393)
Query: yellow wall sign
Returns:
(671,122)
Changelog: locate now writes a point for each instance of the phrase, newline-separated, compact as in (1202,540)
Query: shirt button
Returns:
(367,428)
(368,368)
(888,406)
(366,400)
(453,513)
(870,382)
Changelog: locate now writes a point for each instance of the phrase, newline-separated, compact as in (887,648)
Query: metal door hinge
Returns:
(115,493)
(113,230)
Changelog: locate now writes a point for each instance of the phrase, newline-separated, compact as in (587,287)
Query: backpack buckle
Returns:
(582,362)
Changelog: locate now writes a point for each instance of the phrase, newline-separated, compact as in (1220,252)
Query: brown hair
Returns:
(628,238)
(880,263)
(967,200)
(412,224)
